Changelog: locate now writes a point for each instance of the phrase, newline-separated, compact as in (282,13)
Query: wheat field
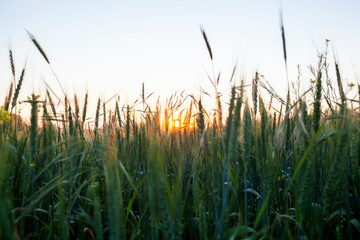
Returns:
(288,168)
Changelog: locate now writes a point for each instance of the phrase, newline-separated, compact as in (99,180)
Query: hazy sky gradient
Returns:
(114,46)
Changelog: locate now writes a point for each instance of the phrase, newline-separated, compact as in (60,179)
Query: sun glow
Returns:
(177,123)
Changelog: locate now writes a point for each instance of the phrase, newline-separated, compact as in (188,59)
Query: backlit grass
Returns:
(180,171)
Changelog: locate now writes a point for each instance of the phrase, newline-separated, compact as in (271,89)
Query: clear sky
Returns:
(112,47)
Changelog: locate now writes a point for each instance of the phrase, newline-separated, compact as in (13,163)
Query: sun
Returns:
(177,123)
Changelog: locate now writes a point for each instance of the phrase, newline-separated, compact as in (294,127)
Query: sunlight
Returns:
(177,123)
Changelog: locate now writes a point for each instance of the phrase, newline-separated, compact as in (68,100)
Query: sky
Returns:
(112,47)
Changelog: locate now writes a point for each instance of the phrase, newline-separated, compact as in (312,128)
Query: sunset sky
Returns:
(111,47)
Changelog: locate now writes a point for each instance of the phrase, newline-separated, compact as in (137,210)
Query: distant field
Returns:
(184,170)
